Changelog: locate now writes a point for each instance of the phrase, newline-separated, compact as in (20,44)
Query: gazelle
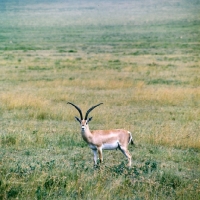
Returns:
(103,139)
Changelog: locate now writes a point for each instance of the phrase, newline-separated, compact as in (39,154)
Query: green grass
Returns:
(142,62)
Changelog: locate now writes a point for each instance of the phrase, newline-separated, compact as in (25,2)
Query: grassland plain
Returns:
(140,58)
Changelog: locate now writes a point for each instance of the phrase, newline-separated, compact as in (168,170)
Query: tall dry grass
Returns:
(173,112)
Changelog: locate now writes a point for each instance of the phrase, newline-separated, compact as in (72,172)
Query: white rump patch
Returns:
(130,137)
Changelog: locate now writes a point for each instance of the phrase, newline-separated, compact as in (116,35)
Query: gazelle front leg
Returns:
(95,157)
(100,154)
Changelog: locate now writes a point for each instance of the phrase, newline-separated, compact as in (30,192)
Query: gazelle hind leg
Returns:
(129,158)
(127,154)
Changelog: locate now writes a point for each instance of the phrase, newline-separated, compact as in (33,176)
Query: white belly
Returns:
(110,146)
(106,146)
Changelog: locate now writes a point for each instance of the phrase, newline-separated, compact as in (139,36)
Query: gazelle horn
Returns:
(87,113)
(79,110)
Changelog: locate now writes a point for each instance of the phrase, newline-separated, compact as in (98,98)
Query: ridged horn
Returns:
(79,110)
(87,113)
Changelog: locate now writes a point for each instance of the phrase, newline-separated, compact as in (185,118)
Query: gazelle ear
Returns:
(78,119)
(90,119)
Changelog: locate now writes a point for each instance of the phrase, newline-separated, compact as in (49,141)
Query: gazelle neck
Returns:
(85,131)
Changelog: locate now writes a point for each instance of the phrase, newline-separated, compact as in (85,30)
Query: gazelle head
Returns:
(84,122)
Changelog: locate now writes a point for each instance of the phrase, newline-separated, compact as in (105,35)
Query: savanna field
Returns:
(140,58)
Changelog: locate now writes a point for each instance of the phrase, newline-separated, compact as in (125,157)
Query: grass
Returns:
(144,67)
